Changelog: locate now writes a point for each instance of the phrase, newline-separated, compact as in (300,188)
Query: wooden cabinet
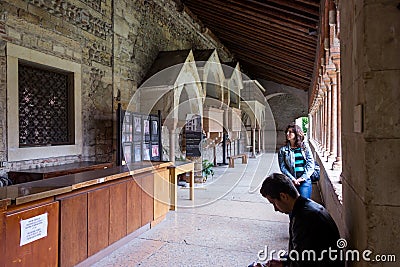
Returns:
(40,252)
(98,219)
(73,229)
(24,176)
(146,183)
(118,212)
(161,193)
(101,215)
(133,205)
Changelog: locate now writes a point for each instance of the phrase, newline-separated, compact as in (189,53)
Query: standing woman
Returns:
(296,160)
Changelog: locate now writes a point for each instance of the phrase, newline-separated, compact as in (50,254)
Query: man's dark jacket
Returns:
(312,228)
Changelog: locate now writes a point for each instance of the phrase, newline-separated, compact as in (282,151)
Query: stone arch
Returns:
(162,91)
(285,108)
(212,77)
(235,84)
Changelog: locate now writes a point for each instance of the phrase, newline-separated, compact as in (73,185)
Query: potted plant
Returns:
(207,169)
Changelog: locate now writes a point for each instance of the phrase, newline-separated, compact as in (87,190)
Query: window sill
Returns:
(330,179)
(28,153)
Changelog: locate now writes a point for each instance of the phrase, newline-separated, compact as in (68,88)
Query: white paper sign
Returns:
(33,229)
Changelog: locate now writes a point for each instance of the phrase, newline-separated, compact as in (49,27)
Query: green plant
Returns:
(180,158)
(304,124)
(207,168)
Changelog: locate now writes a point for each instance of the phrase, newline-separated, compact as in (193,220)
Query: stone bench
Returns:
(232,159)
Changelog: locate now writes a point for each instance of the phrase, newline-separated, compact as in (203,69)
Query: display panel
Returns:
(139,137)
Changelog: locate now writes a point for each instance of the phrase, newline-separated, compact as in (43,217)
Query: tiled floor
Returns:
(227,224)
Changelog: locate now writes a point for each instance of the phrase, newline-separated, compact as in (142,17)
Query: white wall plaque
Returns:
(33,229)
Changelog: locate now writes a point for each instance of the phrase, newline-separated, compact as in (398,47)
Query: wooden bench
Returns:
(232,159)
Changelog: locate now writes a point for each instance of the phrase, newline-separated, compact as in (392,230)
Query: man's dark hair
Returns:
(278,183)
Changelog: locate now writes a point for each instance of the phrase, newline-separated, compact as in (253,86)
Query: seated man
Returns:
(311,228)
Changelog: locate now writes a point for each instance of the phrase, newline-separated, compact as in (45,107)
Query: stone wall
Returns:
(115,46)
(370,73)
(80,33)
(144,28)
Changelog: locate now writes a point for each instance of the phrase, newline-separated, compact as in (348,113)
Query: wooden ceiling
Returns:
(275,40)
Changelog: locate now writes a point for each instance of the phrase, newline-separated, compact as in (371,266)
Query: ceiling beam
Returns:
(279,38)
(305,77)
(269,42)
(209,17)
(270,38)
(271,52)
(280,78)
(241,12)
(309,2)
(293,5)
(264,8)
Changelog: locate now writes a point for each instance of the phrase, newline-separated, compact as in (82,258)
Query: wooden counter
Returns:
(86,212)
(23,176)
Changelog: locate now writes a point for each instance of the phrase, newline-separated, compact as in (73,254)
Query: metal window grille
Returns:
(45,113)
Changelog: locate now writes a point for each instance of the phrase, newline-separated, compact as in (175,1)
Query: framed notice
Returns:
(33,229)
(127,147)
(138,124)
(146,152)
(154,129)
(154,151)
(146,129)
(138,152)
(139,137)
(193,132)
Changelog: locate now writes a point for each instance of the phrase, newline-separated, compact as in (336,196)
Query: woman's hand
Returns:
(300,180)
(297,182)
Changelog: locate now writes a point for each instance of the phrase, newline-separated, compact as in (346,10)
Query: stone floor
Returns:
(227,224)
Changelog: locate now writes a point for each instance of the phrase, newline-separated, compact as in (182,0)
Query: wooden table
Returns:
(178,168)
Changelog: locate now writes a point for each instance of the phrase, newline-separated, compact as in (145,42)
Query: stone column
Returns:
(321,123)
(171,145)
(225,134)
(310,126)
(316,127)
(333,119)
(321,113)
(259,140)
(317,130)
(253,136)
(263,140)
(171,124)
(324,121)
(328,116)
(318,124)
(338,161)
(215,155)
